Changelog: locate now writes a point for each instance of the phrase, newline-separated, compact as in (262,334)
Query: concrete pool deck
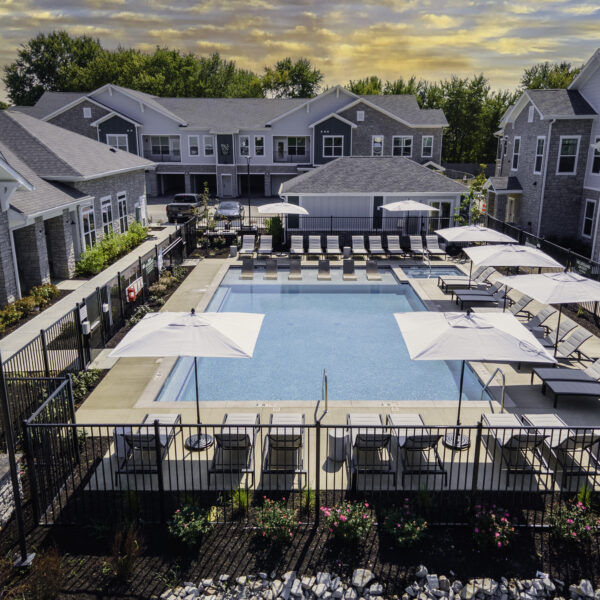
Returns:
(127,392)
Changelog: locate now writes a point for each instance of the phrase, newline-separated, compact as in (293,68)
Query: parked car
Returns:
(229,209)
(181,208)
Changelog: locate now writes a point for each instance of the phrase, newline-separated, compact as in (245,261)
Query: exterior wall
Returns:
(32,255)
(331,126)
(118,125)
(73,120)
(377,123)
(590,243)
(227,173)
(8,284)
(61,250)
(591,92)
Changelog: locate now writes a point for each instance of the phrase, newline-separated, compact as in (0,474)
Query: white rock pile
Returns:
(364,586)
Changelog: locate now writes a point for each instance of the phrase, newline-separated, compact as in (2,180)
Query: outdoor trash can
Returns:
(336,444)
(232,251)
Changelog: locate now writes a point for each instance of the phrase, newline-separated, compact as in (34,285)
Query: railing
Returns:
(162,157)
(97,472)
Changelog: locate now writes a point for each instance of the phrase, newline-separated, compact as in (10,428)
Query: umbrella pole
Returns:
(470,271)
(456,440)
(200,441)
(557,330)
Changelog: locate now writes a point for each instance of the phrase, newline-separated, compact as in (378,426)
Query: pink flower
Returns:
(330,530)
(573,534)
(365,516)
(499,544)
(405,499)
(496,534)
(569,521)
(587,527)
(476,529)
(366,505)
(343,518)
(335,523)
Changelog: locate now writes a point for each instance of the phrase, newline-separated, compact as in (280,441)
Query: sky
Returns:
(431,39)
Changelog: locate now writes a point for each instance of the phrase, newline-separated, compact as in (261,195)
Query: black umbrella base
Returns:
(456,441)
(199,442)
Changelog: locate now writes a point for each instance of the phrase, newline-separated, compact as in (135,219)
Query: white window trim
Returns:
(593,156)
(373,144)
(212,138)
(190,138)
(172,139)
(248,146)
(87,112)
(327,137)
(85,210)
(530,114)
(122,197)
(263,146)
(588,201)
(118,135)
(539,137)
(107,201)
(518,154)
(568,137)
(423,146)
(403,137)
(360,116)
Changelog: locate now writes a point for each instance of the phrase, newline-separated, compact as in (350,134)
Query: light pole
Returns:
(249,201)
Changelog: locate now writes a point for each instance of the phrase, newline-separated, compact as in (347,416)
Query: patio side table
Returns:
(336,444)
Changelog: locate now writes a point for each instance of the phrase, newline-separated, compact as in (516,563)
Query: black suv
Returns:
(181,208)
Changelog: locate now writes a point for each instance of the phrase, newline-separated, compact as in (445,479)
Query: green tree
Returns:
(46,63)
(411,86)
(3,105)
(288,79)
(368,86)
(549,76)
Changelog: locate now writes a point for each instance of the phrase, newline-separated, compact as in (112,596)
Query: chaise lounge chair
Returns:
(454,282)
(333,245)
(234,449)
(248,242)
(519,307)
(371,447)
(283,452)
(519,447)
(349,273)
(417,446)
(372,271)
(571,344)
(247,268)
(494,295)
(358,245)
(536,323)
(314,245)
(324,273)
(566,327)
(574,450)
(416,246)
(295,269)
(375,247)
(271,269)
(433,246)
(578,389)
(297,244)
(265,244)
(393,246)
(588,375)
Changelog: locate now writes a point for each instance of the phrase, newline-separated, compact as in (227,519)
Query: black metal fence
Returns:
(84,473)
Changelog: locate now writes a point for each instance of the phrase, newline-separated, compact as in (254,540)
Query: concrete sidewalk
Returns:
(28,331)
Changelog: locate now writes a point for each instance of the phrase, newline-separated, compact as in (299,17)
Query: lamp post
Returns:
(249,201)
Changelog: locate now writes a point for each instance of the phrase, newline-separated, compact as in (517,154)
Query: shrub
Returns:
(126,549)
(274,227)
(309,499)
(189,524)
(492,527)
(240,499)
(574,523)
(348,521)
(44,294)
(47,577)
(404,526)
(275,521)
(138,315)
(91,261)
(83,383)
(26,305)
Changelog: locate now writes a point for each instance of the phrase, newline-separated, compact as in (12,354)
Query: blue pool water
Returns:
(348,329)
(418,272)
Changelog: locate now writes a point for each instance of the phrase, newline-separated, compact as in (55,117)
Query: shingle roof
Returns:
(54,152)
(48,103)
(563,103)
(370,174)
(504,184)
(44,196)
(406,107)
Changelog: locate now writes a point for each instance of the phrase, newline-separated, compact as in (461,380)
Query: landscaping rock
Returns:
(361,577)
(444,583)
(241,580)
(335,583)
(308,582)
(262,575)
(585,588)
(289,577)
(376,589)
(296,589)
(469,592)
(224,578)
(339,593)
(422,571)
(324,578)
(432,582)
(276,587)
(351,594)
(319,589)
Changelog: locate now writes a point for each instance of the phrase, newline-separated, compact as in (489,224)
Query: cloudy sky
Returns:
(346,39)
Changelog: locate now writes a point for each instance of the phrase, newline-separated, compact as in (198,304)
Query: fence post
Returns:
(318,469)
(45,352)
(121,304)
(331,224)
(101,315)
(478,440)
(35,499)
(72,415)
(79,334)
(161,483)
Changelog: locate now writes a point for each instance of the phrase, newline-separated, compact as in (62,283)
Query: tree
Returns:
(46,63)
(549,76)
(364,87)
(292,79)
(412,86)
(3,105)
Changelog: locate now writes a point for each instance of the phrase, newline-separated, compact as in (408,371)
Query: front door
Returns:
(441,219)
(511,209)
(280,150)
(226,185)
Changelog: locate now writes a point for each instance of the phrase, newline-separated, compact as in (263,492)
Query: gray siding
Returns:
(118,125)
(8,285)
(331,126)
(72,119)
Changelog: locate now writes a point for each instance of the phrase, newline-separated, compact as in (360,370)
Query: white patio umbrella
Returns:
(482,337)
(408,206)
(474,233)
(283,208)
(217,335)
(556,288)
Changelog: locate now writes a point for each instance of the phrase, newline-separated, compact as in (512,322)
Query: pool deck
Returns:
(127,393)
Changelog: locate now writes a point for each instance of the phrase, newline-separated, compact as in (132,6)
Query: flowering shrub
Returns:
(275,520)
(404,526)
(189,524)
(574,523)
(348,521)
(492,527)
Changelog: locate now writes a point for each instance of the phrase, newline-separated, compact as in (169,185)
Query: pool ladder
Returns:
(323,397)
(485,387)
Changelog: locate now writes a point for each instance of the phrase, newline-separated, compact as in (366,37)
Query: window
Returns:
(174,146)
(87,112)
(333,145)
(106,205)
(159,145)
(530,114)
(89,226)
(516,151)
(244,145)
(118,141)
(296,146)
(193,143)
(567,159)
(402,146)
(499,151)
(588,218)
(539,155)
(596,159)
(377,145)
(209,145)
(427,147)
(122,204)
(259,145)
(360,115)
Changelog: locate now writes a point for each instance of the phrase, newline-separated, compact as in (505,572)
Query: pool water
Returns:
(348,329)
(424,272)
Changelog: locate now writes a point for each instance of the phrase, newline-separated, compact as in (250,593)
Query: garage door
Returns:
(257,185)
(171,184)
(198,181)
(276,181)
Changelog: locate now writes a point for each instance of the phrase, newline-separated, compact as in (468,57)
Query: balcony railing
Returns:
(279,157)
(171,157)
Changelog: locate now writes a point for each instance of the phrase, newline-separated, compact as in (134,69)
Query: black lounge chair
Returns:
(454,282)
(393,246)
(247,268)
(372,271)
(271,269)
(295,269)
(324,272)
(433,246)
(348,270)
(579,389)
(588,375)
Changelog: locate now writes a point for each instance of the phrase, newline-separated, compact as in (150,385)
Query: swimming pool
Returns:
(424,272)
(347,328)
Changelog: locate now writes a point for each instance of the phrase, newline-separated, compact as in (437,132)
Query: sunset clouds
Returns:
(345,39)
